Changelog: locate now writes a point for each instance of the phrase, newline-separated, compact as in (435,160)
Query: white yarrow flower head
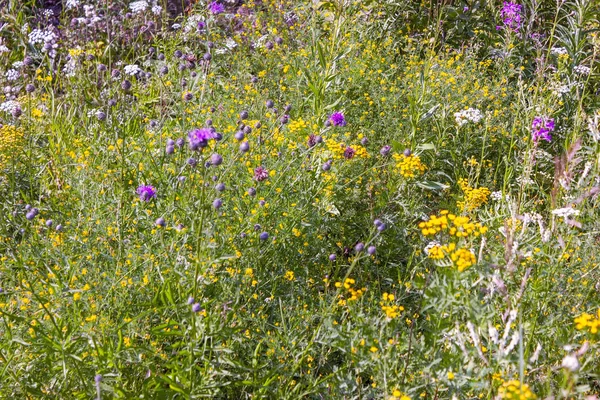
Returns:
(566,212)
(559,51)
(156,9)
(132,69)
(582,70)
(138,6)
(10,106)
(72,4)
(469,115)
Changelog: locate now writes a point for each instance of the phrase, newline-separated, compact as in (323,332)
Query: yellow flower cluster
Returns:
(398,395)
(11,139)
(391,310)
(409,166)
(473,198)
(337,149)
(588,322)
(455,225)
(462,258)
(353,294)
(515,390)
(297,125)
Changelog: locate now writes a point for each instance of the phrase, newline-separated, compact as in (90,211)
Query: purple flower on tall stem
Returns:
(337,119)
(349,153)
(541,128)
(146,192)
(260,174)
(511,15)
(199,138)
(216,8)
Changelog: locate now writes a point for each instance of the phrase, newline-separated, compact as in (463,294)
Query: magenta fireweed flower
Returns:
(199,138)
(541,128)
(511,15)
(337,119)
(349,153)
(146,192)
(216,8)
(260,174)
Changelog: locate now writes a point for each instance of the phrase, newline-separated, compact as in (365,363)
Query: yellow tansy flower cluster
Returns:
(11,139)
(474,198)
(455,225)
(353,294)
(409,166)
(588,322)
(462,258)
(391,310)
(515,390)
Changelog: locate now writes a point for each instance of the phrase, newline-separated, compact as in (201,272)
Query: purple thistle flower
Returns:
(385,150)
(511,15)
(337,119)
(199,138)
(146,192)
(312,140)
(349,153)
(216,8)
(541,128)
(260,174)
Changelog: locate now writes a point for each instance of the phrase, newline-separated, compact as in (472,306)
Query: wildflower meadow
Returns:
(300,199)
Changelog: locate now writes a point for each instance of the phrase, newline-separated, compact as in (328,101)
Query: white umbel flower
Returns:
(469,115)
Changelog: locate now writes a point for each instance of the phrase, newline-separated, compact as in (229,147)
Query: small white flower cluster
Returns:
(138,6)
(48,13)
(132,69)
(10,106)
(230,44)
(38,36)
(582,70)
(558,51)
(260,42)
(192,23)
(469,115)
(497,196)
(18,64)
(72,4)
(565,212)
(3,48)
(70,67)
(90,16)
(12,75)
(156,9)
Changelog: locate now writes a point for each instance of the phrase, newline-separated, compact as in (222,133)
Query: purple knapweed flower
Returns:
(260,174)
(349,153)
(511,15)
(337,119)
(196,307)
(263,236)
(541,128)
(216,8)
(199,138)
(146,192)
